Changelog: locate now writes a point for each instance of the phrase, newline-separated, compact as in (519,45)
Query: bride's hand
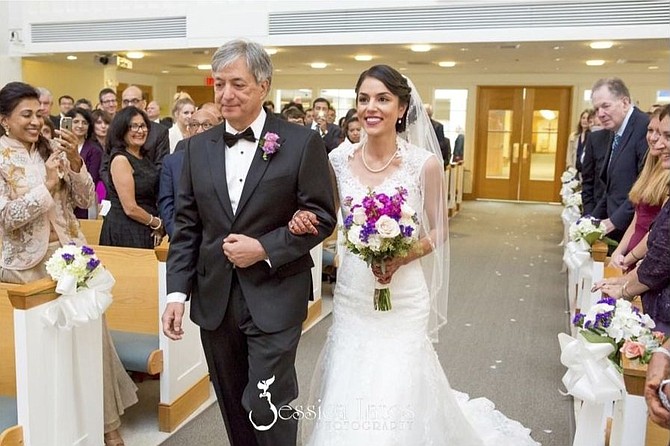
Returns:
(303,222)
(385,274)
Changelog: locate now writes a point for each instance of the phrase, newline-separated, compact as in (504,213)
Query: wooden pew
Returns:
(55,374)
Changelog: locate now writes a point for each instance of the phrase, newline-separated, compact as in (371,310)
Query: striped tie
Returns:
(615,146)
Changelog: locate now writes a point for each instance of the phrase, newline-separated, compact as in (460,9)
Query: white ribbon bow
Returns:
(576,254)
(591,377)
(76,307)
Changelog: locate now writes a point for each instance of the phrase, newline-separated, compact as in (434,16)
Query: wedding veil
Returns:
(419,133)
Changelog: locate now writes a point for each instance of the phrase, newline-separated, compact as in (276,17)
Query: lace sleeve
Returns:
(17,212)
(82,189)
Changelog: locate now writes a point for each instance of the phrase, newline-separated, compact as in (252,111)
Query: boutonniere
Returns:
(269,144)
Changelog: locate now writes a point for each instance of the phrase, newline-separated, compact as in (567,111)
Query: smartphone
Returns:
(66,123)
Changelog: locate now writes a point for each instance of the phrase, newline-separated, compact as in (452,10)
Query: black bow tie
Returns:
(231,139)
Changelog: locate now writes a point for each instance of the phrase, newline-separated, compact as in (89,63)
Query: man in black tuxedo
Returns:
(593,188)
(626,152)
(443,141)
(248,277)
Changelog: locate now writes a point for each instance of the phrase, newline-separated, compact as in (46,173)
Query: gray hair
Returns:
(615,86)
(258,60)
(44,92)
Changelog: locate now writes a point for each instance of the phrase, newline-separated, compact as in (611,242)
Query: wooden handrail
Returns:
(162,251)
(33,294)
(599,251)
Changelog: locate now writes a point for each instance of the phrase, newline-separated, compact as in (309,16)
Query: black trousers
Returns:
(254,376)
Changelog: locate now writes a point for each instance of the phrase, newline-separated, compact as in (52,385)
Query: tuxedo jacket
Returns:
(332,138)
(622,171)
(169,185)
(593,187)
(443,141)
(295,177)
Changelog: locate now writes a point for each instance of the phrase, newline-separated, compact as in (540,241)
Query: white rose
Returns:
(406,211)
(374,242)
(359,216)
(387,227)
(354,236)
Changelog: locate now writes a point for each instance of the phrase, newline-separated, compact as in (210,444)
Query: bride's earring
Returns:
(399,121)
(6,128)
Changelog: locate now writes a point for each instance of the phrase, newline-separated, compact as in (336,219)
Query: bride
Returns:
(379,381)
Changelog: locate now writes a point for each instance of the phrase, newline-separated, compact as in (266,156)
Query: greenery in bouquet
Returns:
(78,262)
(618,322)
(589,229)
(378,228)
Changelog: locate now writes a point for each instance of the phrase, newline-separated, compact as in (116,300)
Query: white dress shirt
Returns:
(238,162)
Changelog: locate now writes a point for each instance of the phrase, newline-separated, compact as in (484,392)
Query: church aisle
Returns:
(507,305)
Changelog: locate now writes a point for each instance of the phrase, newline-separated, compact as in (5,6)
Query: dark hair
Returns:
(83,101)
(49,123)
(10,97)
(293,113)
(65,96)
(116,135)
(396,84)
(105,91)
(321,100)
(101,114)
(87,116)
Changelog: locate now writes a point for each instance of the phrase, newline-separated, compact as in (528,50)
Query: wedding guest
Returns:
(90,152)
(84,103)
(157,144)
(101,121)
(309,117)
(577,140)
(352,130)
(445,144)
(108,101)
(330,133)
(154,112)
(647,195)
(593,187)
(132,187)
(294,115)
(651,278)
(201,121)
(627,149)
(38,219)
(48,130)
(182,110)
(213,109)
(658,370)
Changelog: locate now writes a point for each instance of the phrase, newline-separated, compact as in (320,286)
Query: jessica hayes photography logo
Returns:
(360,415)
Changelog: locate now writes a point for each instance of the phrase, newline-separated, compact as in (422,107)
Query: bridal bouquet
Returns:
(589,229)
(84,285)
(378,228)
(618,322)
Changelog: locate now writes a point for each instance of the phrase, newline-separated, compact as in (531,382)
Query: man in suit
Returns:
(65,104)
(443,141)
(329,132)
(593,188)
(627,147)
(46,101)
(108,102)
(248,277)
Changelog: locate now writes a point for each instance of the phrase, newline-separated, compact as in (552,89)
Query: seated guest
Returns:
(171,172)
(647,195)
(627,149)
(651,278)
(90,152)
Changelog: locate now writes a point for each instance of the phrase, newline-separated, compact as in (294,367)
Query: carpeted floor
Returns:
(507,305)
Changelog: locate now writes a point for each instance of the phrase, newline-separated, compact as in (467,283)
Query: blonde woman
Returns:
(182,110)
(647,195)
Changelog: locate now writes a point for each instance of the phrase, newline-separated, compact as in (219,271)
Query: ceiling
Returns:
(626,56)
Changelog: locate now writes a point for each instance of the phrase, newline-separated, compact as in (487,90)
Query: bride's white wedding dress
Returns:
(378,381)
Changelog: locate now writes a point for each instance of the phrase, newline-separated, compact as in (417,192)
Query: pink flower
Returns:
(269,144)
(659,336)
(632,349)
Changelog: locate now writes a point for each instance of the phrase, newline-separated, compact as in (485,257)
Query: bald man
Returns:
(158,143)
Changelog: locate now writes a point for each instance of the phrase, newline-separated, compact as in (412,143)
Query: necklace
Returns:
(388,163)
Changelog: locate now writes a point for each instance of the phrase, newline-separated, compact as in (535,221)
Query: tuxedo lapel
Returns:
(217,165)
(258,165)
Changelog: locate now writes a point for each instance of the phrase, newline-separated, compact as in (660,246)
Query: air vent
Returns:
(122,29)
(471,17)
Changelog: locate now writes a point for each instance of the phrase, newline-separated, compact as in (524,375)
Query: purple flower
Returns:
(92,264)
(269,144)
(69,258)
(87,251)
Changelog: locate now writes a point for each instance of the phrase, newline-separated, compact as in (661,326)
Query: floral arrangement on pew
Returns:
(84,285)
(378,228)
(570,183)
(619,323)
(589,230)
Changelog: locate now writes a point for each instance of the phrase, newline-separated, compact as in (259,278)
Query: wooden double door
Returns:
(521,141)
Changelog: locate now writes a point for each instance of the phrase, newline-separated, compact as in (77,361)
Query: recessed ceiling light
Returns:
(652,67)
(601,45)
(134,54)
(165,71)
(477,60)
(464,49)
(271,51)
(339,69)
(204,67)
(558,59)
(278,70)
(595,62)
(71,57)
(420,48)
(557,47)
(363,57)
(447,63)
(318,65)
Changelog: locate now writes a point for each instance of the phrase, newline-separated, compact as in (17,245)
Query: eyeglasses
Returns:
(109,101)
(205,125)
(138,127)
(132,102)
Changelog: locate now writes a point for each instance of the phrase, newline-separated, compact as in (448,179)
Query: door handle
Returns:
(515,152)
(525,151)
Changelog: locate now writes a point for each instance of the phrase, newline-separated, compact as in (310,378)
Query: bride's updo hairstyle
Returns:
(396,84)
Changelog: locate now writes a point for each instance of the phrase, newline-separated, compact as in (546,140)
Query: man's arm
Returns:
(166,197)
(657,370)
(589,177)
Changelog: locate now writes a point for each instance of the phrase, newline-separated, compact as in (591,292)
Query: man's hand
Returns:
(243,251)
(608,225)
(172,319)
(657,371)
